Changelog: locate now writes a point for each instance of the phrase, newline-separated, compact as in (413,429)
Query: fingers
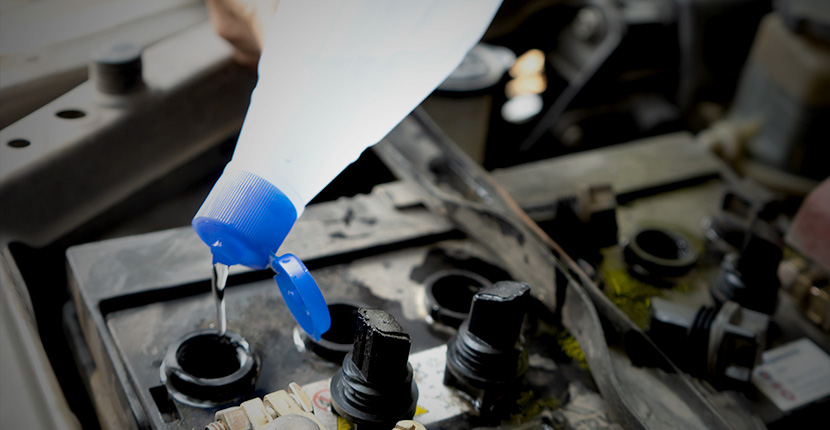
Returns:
(237,22)
(246,59)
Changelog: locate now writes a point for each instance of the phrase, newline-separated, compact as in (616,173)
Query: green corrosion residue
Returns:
(629,294)
(529,406)
(569,345)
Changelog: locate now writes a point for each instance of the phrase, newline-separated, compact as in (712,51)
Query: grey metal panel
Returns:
(76,168)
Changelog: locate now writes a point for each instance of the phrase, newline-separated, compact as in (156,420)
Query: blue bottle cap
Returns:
(302,295)
(244,219)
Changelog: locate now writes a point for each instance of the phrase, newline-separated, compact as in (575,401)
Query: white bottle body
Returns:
(337,75)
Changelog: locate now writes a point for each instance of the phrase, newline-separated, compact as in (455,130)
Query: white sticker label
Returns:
(793,375)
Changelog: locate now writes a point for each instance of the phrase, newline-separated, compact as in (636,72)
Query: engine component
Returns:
(279,410)
(744,202)
(723,343)
(375,388)
(585,222)
(808,284)
(658,256)
(487,359)
(785,86)
(205,369)
(817,306)
(750,278)
(598,211)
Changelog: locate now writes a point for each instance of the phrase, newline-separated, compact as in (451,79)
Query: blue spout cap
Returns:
(244,220)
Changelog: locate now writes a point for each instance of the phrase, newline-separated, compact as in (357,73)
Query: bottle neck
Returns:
(282,183)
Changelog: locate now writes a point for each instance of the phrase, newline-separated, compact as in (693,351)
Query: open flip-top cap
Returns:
(302,295)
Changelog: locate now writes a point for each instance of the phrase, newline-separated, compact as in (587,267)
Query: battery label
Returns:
(793,375)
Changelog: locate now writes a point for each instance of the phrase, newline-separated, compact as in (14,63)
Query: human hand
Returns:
(243,23)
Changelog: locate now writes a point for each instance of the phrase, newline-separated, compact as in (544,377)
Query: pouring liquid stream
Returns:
(218,279)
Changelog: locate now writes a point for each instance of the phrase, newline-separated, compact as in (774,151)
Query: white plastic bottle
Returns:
(335,77)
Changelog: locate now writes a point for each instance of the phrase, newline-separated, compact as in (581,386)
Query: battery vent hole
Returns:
(450,294)
(337,342)
(343,321)
(662,245)
(455,292)
(204,369)
(209,356)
